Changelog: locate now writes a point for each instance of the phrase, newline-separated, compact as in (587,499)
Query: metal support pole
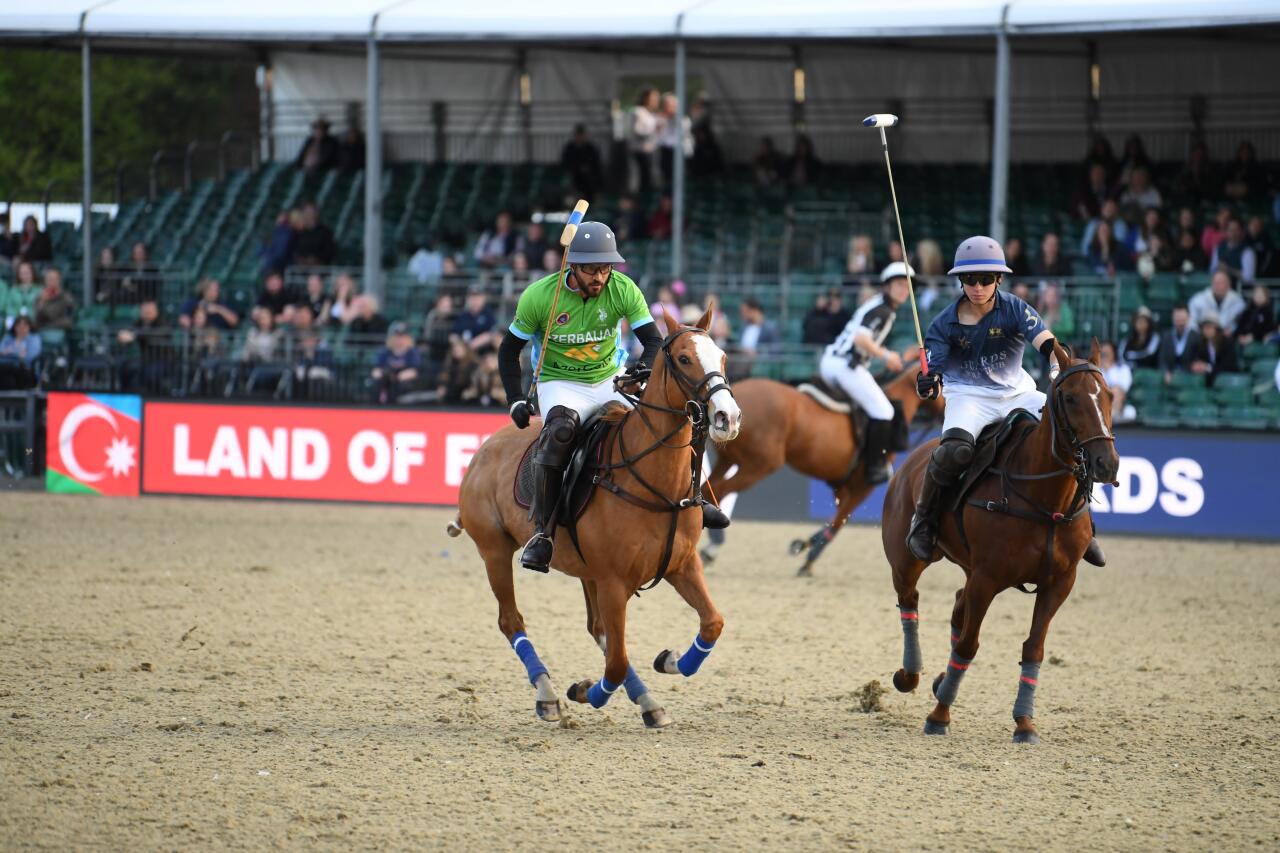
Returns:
(373,176)
(86,198)
(1000,137)
(677,172)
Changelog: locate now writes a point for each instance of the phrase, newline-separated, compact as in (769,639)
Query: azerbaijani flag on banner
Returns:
(93,443)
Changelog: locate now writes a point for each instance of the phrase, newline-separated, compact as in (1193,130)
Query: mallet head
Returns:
(880,120)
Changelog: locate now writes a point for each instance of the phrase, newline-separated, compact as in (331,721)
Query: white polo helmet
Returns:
(897,269)
(979,254)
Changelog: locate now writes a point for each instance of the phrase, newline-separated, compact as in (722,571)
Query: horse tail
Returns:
(455,528)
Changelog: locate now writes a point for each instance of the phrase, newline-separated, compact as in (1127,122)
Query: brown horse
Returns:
(784,426)
(644,529)
(1025,521)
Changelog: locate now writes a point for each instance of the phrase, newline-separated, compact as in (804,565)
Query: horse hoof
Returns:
(905,681)
(798,546)
(805,571)
(665,662)
(1028,736)
(937,681)
(932,728)
(577,692)
(656,719)
(548,712)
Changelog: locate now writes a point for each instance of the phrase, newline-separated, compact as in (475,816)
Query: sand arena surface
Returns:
(209,674)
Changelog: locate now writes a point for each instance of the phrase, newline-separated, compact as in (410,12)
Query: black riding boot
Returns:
(876,452)
(713,518)
(946,465)
(555,444)
(1093,554)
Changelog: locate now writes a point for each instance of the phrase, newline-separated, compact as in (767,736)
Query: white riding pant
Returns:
(971,409)
(583,398)
(859,384)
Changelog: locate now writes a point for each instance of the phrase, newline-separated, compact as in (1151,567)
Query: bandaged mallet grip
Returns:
(575,219)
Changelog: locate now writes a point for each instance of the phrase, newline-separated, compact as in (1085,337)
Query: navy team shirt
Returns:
(988,355)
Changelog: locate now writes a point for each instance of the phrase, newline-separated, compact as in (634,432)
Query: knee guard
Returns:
(559,431)
(952,456)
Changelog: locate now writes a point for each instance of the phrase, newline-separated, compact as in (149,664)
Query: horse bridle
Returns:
(698,394)
(1080,467)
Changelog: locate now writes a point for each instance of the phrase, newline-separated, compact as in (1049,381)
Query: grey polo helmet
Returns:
(979,254)
(594,244)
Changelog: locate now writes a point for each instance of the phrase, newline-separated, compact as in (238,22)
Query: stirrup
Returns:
(1093,554)
(713,518)
(537,553)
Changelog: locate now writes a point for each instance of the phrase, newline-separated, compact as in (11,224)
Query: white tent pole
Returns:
(86,197)
(677,172)
(373,283)
(1000,133)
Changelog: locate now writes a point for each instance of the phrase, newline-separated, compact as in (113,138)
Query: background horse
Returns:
(1025,521)
(783,426)
(648,523)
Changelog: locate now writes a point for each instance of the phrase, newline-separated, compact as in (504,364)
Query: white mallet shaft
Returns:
(880,120)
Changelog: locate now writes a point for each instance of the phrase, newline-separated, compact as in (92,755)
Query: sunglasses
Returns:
(594,270)
(979,278)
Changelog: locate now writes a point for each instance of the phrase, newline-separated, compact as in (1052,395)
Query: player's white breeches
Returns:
(971,409)
(582,398)
(859,384)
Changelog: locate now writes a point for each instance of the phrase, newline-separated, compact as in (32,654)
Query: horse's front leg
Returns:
(1048,600)
(653,714)
(692,586)
(978,593)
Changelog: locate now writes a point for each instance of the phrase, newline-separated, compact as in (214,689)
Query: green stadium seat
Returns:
(1264,369)
(1192,396)
(1162,416)
(1206,416)
(1148,376)
(1187,379)
(1255,350)
(1247,417)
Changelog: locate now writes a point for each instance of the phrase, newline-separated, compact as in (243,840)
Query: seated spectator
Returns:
(476,324)
(1142,347)
(520,269)
(1199,180)
(1214,352)
(276,298)
(1266,258)
(263,344)
(758,334)
(138,279)
(1055,311)
(149,350)
(659,226)
(351,150)
(208,300)
(1259,318)
(550,262)
(664,303)
(21,297)
(1050,263)
(1119,228)
(313,364)
(54,306)
(397,365)
(314,246)
(19,350)
(486,385)
(1188,256)
(1234,253)
(895,252)
(277,253)
(105,275)
(1179,344)
(320,150)
(1186,223)
(533,245)
(1140,193)
(1134,158)
(1245,178)
(456,377)
(1151,226)
(1220,300)
(345,290)
(498,244)
(1022,289)
(367,323)
(1119,378)
(32,243)
(1015,258)
(767,165)
(861,260)
(1092,194)
(302,320)
(427,263)
(581,161)
(1216,231)
(826,319)
(929,259)
(436,331)
(1106,254)
(803,167)
(317,300)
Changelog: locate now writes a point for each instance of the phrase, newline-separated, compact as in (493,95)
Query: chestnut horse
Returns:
(1025,521)
(642,526)
(783,426)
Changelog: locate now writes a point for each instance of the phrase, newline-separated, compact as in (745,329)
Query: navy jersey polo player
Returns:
(975,347)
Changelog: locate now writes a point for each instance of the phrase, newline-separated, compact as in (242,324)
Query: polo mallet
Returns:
(883,120)
(566,237)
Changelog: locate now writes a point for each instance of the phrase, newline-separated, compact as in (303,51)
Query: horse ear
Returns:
(1095,352)
(1062,353)
(672,324)
(704,322)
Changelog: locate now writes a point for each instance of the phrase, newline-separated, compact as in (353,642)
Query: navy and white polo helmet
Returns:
(979,254)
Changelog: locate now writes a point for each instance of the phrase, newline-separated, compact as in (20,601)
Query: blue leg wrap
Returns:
(692,659)
(600,692)
(912,660)
(524,650)
(1025,704)
(950,686)
(635,687)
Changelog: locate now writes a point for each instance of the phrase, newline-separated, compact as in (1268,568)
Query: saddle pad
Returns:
(994,436)
(577,489)
(828,396)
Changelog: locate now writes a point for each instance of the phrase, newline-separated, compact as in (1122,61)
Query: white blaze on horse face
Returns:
(711,357)
(1093,395)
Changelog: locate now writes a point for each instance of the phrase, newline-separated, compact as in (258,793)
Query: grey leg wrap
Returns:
(1025,704)
(912,661)
(950,686)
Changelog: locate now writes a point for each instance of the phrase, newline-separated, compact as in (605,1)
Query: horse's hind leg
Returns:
(906,574)
(650,711)
(497,563)
(692,586)
(977,596)
(847,497)
(1048,600)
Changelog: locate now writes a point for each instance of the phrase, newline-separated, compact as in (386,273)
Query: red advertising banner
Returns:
(313,454)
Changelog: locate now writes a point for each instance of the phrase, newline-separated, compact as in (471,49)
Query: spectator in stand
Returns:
(628,222)
(320,151)
(436,331)
(1014,257)
(1119,378)
(138,279)
(208,299)
(277,254)
(895,251)
(1216,231)
(302,321)
(1142,347)
(758,334)
(1258,321)
(342,311)
(1106,254)
(23,293)
(315,246)
(1101,154)
(54,306)
(673,137)
(427,263)
(533,245)
(8,240)
(1051,264)
(1093,193)
(644,136)
(1119,228)
(659,226)
(351,150)
(1022,289)
(105,275)
(1179,344)
(476,325)
(313,364)
(367,323)
(520,269)
(861,260)
(1219,299)
(32,243)
(550,262)
(803,167)
(1135,158)
(1199,180)
(456,377)
(708,159)
(1234,254)
(276,298)
(263,343)
(486,384)
(1186,224)
(929,260)
(1152,226)
(19,350)
(1140,193)
(397,365)
(1188,256)
(826,319)
(149,349)
(1264,251)
(1055,312)
(767,164)
(1159,256)
(317,300)
(664,303)
(1245,178)
(580,158)
(498,244)
(1215,351)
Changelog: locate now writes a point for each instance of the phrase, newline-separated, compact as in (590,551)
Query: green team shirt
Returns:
(583,346)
